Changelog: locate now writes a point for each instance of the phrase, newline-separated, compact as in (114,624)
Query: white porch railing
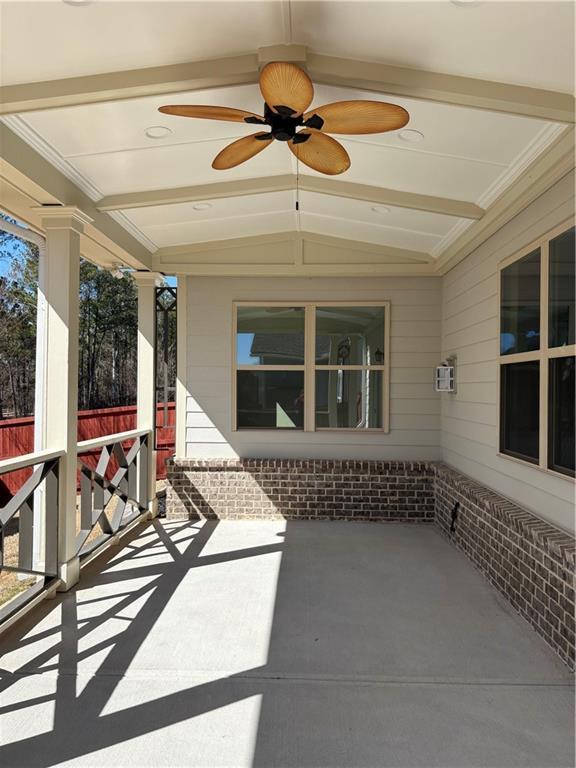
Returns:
(36,552)
(109,499)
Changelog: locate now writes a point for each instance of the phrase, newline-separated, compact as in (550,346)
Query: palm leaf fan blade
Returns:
(360,117)
(208,112)
(241,150)
(286,85)
(321,152)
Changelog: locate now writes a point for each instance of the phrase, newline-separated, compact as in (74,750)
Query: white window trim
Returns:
(310,366)
(542,355)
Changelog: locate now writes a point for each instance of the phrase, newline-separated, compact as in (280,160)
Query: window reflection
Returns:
(270,399)
(270,336)
(520,306)
(520,409)
(350,335)
(561,305)
(349,399)
(561,415)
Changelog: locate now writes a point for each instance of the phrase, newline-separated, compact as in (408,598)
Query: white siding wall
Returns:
(415,349)
(469,330)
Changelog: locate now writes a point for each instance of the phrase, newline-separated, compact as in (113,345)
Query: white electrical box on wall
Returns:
(445,380)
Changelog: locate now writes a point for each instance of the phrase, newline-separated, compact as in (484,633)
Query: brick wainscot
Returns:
(300,490)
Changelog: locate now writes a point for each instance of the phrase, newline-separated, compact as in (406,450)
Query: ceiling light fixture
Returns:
(202,206)
(466,3)
(382,209)
(77,2)
(157,132)
(410,136)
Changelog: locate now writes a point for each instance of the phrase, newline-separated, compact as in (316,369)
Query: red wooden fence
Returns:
(17,438)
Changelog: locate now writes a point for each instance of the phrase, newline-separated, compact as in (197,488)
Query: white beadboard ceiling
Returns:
(466,154)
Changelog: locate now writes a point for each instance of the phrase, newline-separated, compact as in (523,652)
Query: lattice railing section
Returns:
(115,492)
(29,530)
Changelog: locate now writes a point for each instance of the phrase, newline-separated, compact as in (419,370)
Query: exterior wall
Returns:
(415,348)
(469,331)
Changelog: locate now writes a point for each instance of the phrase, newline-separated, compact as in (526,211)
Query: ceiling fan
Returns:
(288,92)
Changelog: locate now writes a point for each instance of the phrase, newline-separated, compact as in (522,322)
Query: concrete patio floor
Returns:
(282,644)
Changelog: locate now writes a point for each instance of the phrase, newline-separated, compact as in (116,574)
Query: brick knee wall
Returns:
(300,489)
(529,561)
(525,558)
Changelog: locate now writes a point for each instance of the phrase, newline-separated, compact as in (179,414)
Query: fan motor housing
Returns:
(283,125)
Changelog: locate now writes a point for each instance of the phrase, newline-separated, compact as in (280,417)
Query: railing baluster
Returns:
(26,535)
(51,521)
(143,473)
(86,521)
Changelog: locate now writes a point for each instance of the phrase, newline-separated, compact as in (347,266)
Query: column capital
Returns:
(144,277)
(63,217)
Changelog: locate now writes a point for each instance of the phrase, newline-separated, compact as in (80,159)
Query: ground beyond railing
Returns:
(17,437)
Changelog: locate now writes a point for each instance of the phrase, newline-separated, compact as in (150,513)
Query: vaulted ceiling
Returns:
(487,84)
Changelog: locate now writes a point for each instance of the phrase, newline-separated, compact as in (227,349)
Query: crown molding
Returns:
(24,168)
(540,175)
(21,128)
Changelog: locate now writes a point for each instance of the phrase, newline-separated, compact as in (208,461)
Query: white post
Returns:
(146,385)
(39,405)
(182,392)
(59,412)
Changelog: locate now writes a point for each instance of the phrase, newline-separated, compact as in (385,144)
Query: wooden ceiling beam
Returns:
(319,185)
(446,89)
(330,70)
(129,84)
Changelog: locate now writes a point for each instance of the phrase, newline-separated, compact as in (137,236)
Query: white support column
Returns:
(182,392)
(146,389)
(60,280)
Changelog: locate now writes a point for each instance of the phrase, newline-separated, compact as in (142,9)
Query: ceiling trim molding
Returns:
(540,175)
(382,196)
(544,139)
(290,254)
(105,237)
(24,130)
(240,70)
(129,84)
(200,192)
(448,89)
(324,186)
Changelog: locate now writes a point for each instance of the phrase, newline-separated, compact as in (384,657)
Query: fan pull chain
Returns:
(298,222)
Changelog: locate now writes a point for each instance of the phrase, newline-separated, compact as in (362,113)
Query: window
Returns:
(537,352)
(311,366)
